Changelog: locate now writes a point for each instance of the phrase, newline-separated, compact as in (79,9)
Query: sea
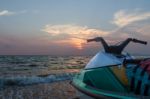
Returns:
(31,76)
(28,69)
(22,76)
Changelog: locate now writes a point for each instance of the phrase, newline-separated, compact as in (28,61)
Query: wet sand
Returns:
(57,90)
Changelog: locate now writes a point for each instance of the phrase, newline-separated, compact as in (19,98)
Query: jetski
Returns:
(112,73)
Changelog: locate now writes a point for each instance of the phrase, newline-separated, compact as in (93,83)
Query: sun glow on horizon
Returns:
(73,35)
(73,42)
(78,43)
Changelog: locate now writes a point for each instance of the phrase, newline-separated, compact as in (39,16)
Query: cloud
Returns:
(9,13)
(76,35)
(123,18)
(72,34)
(136,30)
(73,31)
(6,13)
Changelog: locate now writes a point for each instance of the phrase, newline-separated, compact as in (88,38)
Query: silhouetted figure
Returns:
(115,49)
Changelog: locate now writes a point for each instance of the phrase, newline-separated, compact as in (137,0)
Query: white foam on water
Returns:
(24,80)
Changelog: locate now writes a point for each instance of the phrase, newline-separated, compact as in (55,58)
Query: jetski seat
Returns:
(138,72)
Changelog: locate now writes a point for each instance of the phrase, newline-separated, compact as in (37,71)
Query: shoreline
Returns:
(57,90)
(54,90)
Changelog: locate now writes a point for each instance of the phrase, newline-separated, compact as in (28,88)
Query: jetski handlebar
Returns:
(134,40)
(115,49)
(94,39)
(139,41)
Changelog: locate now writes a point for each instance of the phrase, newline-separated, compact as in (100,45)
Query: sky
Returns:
(61,27)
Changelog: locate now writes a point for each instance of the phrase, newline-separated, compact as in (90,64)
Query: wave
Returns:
(24,80)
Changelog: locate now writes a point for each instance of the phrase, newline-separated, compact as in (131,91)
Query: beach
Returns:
(57,90)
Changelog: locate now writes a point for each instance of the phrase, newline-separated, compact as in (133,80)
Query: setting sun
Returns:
(78,43)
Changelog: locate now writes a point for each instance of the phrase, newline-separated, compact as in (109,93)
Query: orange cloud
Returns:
(72,34)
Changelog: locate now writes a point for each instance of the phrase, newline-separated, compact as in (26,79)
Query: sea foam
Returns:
(29,80)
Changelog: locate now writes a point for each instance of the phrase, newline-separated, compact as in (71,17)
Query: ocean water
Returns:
(33,77)
(29,70)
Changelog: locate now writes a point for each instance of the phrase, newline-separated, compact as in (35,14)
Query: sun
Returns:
(78,43)
(74,42)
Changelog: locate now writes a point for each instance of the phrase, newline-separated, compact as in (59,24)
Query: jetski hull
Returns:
(102,83)
(105,77)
